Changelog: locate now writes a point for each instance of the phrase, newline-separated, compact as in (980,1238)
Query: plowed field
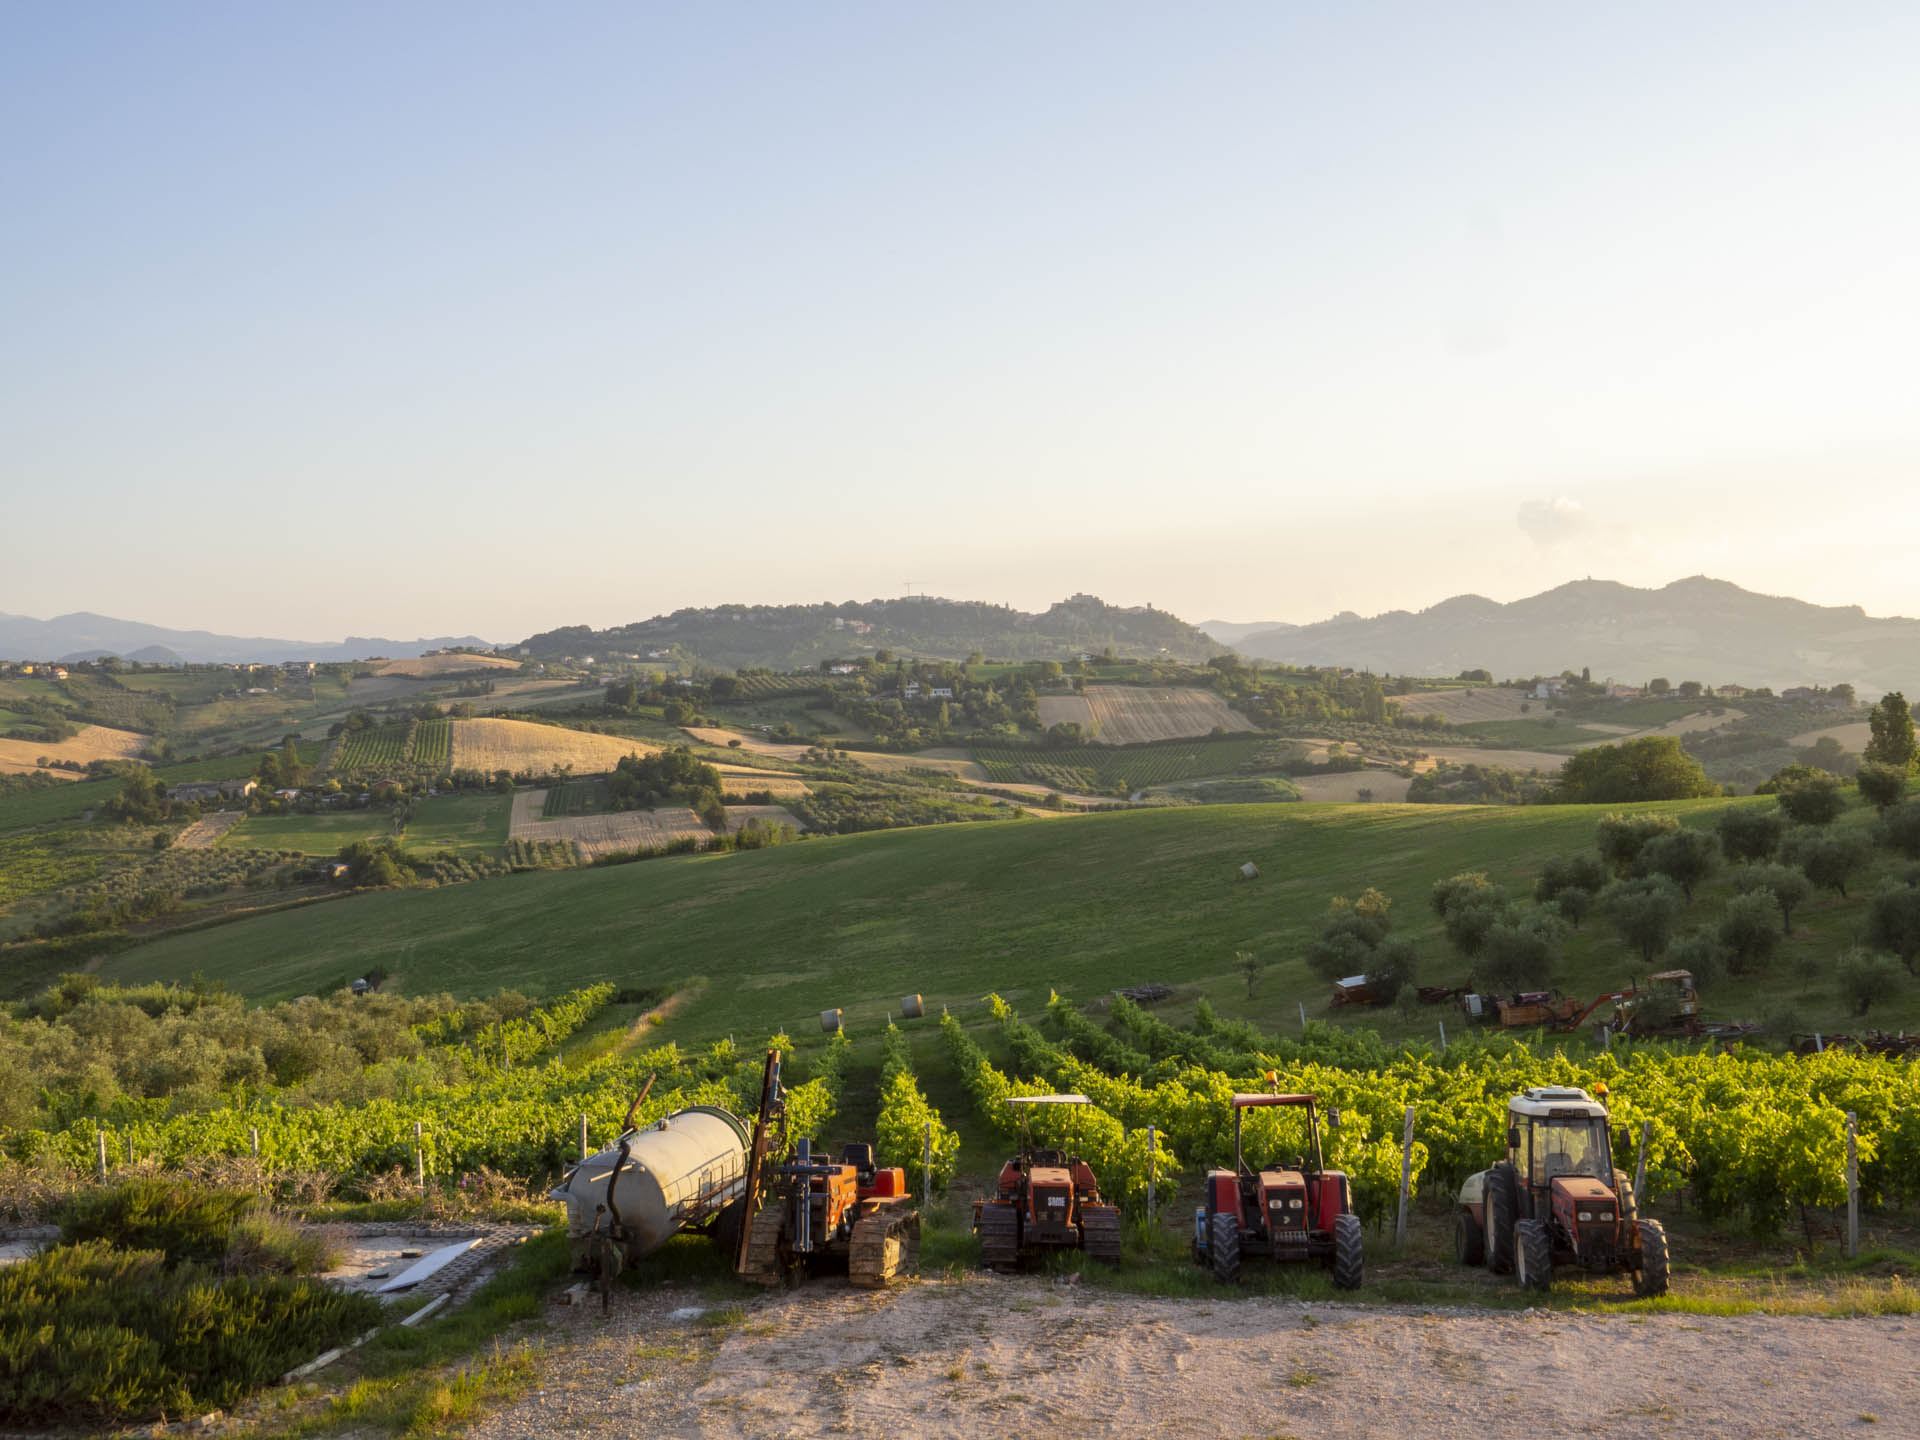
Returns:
(1132,714)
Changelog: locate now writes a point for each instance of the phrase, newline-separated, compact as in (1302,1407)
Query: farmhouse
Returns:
(197,792)
(940,692)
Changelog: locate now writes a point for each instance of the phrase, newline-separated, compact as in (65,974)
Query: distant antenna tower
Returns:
(909,584)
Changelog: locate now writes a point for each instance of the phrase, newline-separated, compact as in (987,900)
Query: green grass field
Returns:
(1532,735)
(1083,905)
(67,801)
(310,834)
(470,824)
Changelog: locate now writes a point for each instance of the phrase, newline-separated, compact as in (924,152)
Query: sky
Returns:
(444,319)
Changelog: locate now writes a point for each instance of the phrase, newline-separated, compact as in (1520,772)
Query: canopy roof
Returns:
(1241,1102)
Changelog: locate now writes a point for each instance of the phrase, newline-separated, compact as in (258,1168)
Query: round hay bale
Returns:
(1250,871)
(829,1020)
(912,1007)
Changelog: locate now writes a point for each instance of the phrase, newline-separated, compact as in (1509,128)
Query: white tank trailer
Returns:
(686,1171)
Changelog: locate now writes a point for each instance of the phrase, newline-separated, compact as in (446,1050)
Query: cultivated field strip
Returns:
(523,747)
(92,742)
(1134,714)
(202,834)
(595,835)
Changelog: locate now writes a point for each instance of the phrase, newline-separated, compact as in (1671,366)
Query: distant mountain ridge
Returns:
(787,637)
(87,636)
(1693,629)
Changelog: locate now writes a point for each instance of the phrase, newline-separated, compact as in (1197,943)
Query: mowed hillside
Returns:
(1085,905)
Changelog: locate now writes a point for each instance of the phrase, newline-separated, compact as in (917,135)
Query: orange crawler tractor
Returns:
(1046,1200)
(806,1213)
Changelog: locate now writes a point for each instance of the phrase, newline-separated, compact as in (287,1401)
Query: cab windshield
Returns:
(1570,1147)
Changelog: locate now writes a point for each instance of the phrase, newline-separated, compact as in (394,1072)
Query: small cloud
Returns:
(1549,522)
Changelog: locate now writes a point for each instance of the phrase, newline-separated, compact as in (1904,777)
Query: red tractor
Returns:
(1557,1201)
(1047,1199)
(1283,1212)
(805,1213)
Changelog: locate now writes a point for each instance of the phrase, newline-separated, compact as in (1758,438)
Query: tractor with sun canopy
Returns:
(1047,1198)
(1292,1209)
(1556,1201)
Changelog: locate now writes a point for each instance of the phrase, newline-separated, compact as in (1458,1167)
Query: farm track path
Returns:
(984,1355)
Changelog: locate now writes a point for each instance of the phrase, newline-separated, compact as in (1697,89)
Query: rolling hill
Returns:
(766,940)
(1697,629)
(793,637)
(87,636)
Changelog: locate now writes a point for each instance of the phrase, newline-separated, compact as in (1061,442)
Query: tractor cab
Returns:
(1290,1207)
(1556,1200)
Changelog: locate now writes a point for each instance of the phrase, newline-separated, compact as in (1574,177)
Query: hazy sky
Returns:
(408,319)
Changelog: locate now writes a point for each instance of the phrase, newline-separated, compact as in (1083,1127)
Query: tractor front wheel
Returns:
(1651,1278)
(1349,1253)
(1223,1247)
(1469,1245)
(1500,1207)
(1533,1252)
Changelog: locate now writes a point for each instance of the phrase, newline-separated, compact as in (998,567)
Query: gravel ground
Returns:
(1020,1356)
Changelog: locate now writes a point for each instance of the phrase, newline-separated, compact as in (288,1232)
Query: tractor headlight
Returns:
(1604,1215)
(1299,1204)
(1586,1215)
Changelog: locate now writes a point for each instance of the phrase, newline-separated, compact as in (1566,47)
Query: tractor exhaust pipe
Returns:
(803,1217)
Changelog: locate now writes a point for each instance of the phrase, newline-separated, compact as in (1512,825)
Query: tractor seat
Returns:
(1559,1163)
(860,1157)
(1049,1157)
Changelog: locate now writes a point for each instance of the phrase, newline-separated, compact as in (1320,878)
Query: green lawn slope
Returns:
(765,940)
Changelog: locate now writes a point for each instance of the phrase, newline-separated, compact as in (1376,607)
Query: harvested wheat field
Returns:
(431,667)
(1471,707)
(1851,737)
(595,835)
(1380,785)
(207,829)
(521,745)
(742,779)
(94,742)
(1132,714)
(945,761)
(1689,724)
(1519,760)
(758,743)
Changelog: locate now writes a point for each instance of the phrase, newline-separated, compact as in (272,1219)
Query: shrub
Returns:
(1750,931)
(93,1335)
(1521,951)
(184,1221)
(1700,953)
(1810,797)
(1881,785)
(1867,979)
(1621,837)
(1789,888)
(1685,857)
(1893,921)
(271,1245)
(1898,828)
(1750,834)
(1644,911)
(1826,859)
(1566,876)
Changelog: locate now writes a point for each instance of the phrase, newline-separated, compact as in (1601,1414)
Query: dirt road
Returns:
(984,1355)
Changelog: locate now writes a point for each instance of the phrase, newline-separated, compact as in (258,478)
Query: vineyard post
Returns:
(926,1169)
(1406,1180)
(1818,1046)
(100,1147)
(1151,1175)
(419,1159)
(1303,1017)
(583,1137)
(1443,1037)
(253,1137)
(1853,1185)
(1640,1165)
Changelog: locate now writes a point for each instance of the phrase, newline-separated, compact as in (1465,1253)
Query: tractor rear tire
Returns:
(1100,1233)
(1349,1252)
(1223,1247)
(999,1237)
(1533,1249)
(1626,1203)
(1469,1245)
(1500,1207)
(1651,1278)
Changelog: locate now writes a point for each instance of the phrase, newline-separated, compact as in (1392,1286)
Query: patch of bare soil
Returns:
(1381,785)
(208,828)
(1520,760)
(1851,737)
(758,744)
(984,1355)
